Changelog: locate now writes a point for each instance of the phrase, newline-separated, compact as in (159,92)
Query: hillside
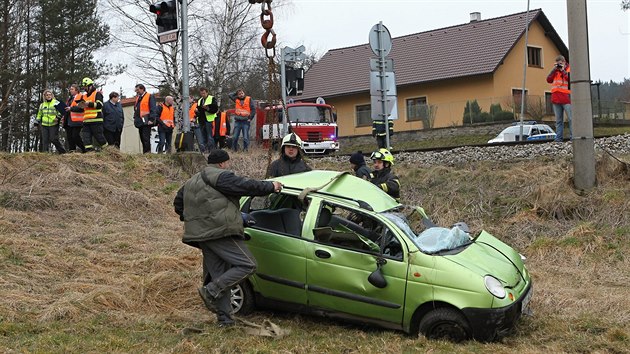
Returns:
(91,258)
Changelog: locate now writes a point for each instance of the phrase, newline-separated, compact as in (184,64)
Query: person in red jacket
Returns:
(559,78)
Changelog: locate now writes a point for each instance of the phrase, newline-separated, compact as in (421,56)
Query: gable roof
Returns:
(470,49)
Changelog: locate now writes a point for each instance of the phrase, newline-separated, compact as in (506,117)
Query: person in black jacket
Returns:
(382,175)
(209,206)
(357,162)
(113,119)
(290,160)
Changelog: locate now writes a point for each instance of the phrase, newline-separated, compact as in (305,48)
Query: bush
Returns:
(503,116)
(484,117)
(495,109)
(471,112)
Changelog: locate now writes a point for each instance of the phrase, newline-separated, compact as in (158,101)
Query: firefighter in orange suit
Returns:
(221,129)
(166,124)
(144,116)
(92,115)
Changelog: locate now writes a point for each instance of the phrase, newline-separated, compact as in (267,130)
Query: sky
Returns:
(321,25)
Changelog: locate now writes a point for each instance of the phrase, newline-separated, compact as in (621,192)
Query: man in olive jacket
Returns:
(209,206)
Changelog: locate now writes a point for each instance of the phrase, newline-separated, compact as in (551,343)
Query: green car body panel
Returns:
(299,269)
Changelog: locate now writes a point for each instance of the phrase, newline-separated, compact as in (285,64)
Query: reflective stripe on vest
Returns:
(48,112)
(223,124)
(209,116)
(145,110)
(559,84)
(76,116)
(168,115)
(242,107)
(91,114)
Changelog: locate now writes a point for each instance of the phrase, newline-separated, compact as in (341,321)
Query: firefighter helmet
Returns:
(86,82)
(383,155)
(292,140)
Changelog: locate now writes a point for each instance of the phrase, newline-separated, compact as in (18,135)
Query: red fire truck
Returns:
(314,123)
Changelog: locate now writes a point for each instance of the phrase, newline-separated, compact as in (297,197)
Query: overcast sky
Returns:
(321,25)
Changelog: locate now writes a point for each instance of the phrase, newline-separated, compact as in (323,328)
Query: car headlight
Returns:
(494,286)
(523,258)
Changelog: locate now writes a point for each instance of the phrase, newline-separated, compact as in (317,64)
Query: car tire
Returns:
(242,299)
(445,323)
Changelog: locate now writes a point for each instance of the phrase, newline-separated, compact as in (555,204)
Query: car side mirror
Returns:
(376,278)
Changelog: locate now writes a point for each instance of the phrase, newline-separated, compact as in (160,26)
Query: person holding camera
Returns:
(560,94)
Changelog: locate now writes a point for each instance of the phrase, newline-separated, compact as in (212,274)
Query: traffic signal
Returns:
(166,12)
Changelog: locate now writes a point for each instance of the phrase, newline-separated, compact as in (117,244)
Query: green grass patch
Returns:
(170,188)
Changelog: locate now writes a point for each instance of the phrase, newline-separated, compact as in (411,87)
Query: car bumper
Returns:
(320,147)
(490,324)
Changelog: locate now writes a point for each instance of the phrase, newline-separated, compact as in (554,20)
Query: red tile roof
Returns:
(473,48)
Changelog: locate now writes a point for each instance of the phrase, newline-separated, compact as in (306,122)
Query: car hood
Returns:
(489,256)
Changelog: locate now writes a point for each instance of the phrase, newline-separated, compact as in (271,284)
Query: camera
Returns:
(559,66)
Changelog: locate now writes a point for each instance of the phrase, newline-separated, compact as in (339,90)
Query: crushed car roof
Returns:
(345,186)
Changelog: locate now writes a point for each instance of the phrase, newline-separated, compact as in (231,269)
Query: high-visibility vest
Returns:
(242,107)
(145,110)
(191,113)
(47,113)
(168,115)
(559,84)
(222,124)
(76,116)
(209,116)
(92,114)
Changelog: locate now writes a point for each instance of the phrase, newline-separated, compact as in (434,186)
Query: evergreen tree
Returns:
(70,32)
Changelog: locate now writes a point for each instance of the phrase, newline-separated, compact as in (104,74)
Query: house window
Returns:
(548,105)
(364,115)
(517,99)
(417,109)
(534,56)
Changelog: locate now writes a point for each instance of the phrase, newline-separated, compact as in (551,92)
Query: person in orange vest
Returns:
(114,119)
(73,121)
(92,104)
(144,116)
(166,124)
(221,129)
(245,108)
(559,78)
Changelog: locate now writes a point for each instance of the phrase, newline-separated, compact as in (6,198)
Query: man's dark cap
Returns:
(218,156)
(357,158)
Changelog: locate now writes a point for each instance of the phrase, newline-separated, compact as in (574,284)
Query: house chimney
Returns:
(475,16)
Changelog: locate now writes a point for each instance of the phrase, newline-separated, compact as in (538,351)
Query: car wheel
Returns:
(445,323)
(242,299)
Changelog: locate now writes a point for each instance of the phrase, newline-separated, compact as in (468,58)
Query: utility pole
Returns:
(185,84)
(582,125)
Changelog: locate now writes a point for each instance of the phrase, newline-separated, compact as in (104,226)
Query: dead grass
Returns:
(91,257)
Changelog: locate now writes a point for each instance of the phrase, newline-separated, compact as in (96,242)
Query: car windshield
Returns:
(428,237)
(310,114)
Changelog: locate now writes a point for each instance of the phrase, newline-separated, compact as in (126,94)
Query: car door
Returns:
(279,251)
(338,271)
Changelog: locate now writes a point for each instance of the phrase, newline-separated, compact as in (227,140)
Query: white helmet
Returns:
(292,140)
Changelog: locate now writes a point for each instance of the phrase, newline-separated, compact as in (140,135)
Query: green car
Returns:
(335,245)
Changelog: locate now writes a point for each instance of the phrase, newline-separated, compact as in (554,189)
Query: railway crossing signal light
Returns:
(166,19)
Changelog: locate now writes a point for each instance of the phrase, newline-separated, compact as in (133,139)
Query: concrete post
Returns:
(582,125)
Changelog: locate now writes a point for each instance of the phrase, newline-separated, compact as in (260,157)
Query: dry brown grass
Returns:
(91,257)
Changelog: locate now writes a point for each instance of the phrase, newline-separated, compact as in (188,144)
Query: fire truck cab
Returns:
(314,123)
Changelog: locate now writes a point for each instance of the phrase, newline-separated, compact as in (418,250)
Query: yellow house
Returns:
(440,73)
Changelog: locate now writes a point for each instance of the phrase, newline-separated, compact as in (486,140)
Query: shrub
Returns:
(503,116)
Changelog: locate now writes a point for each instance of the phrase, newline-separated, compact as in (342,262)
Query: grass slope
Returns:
(91,258)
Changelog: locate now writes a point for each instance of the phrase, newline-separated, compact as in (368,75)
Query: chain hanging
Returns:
(268,41)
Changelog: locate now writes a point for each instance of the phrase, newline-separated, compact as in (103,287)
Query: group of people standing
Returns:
(84,117)
(211,125)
